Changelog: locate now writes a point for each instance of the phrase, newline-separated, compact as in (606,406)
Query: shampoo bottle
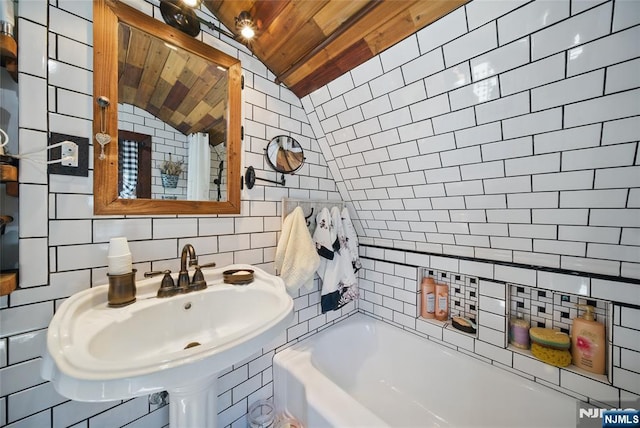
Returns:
(588,342)
(442,302)
(428,298)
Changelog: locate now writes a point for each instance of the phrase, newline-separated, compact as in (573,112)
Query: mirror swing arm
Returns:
(107,16)
(250,178)
(284,154)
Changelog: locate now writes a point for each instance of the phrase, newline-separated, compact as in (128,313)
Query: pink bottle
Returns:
(428,298)
(442,302)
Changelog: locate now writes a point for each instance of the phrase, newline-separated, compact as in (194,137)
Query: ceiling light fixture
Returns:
(192,3)
(178,14)
(246,26)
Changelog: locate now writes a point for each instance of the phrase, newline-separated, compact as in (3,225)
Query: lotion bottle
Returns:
(428,298)
(588,342)
(442,302)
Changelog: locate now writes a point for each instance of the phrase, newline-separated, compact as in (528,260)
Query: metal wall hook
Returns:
(315,205)
(103,101)
(307,217)
(250,178)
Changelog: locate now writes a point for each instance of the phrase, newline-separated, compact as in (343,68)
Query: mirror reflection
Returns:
(172,116)
(175,94)
(285,154)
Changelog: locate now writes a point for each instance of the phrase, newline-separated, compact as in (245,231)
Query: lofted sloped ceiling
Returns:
(309,43)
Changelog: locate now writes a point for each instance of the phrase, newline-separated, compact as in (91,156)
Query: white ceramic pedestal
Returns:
(194,405)
(98,353)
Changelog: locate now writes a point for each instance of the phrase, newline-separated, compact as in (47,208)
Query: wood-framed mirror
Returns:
(182,67)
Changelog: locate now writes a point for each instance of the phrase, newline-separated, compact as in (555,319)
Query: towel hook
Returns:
(307,217)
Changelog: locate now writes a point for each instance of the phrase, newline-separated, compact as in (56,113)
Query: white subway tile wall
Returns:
(504,132)
(531,109)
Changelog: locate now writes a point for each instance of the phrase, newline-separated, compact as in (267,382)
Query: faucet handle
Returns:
(198,282)
(206,265)
(156,273)
(167,286)
(167,281)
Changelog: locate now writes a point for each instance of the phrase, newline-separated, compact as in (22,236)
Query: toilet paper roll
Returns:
(118,247)
(119,265)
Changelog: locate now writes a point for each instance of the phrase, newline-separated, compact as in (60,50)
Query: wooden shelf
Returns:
(8,282)
(8,173)
(9,176)
(9,55)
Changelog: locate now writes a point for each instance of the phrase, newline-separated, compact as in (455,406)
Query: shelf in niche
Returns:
(571,368)
(462,297)
(447,325)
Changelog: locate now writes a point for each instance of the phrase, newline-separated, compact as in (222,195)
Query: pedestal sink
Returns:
(178,344)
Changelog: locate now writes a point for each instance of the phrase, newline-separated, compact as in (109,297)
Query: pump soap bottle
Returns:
(442,300)
(588,342)
(428,298)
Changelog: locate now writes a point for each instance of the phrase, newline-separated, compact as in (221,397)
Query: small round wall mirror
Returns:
(284,154)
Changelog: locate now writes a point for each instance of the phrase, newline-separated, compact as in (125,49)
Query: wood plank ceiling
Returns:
(309,43)
(178,87)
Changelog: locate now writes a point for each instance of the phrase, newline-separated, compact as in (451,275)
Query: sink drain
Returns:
(192,344)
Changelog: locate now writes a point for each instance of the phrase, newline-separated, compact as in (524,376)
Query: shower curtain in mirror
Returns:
(128,164)
(199,167)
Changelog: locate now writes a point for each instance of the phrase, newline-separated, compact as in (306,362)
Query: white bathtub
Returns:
(365,373)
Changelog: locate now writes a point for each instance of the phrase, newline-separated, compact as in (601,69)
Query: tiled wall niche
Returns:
(463,292)
(389,284)
(463,295)
(538,306)
(548,309)
(544,308)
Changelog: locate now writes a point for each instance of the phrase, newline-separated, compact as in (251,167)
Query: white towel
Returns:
(326,242)
(339,283)
(352,239)
(324,236)
(296,256)
(347,275)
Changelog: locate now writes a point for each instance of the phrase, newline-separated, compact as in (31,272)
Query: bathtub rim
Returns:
(301,351)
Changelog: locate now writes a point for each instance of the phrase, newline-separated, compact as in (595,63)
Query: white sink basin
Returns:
(98,353)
